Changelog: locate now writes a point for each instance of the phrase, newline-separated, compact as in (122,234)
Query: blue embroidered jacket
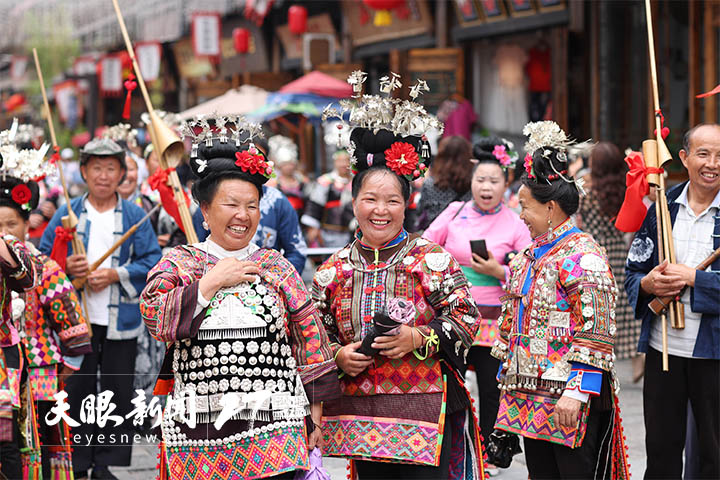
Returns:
(279,228)
(133,260)
(704,297)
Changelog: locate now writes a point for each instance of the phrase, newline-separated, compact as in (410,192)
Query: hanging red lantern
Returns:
(297,19)
(383,17)
(241,40)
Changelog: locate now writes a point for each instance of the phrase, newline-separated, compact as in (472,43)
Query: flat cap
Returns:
(102,147)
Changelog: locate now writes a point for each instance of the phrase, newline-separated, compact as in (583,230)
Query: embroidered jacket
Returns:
(132,261)
(19,279)
(704,295)
(393,402)
(53,309)
(560,309)
(262,342)
(556,333)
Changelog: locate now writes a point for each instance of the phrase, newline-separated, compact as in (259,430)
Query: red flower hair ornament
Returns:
(402,158)
(21,195)
(253,162)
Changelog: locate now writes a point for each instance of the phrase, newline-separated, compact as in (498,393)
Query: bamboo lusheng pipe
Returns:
(79,282)
(649,148)
(659,304)
(676,310)
(159,132)
(69,221)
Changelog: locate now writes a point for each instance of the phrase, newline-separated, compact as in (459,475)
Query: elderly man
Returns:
(694,352)
(112,302)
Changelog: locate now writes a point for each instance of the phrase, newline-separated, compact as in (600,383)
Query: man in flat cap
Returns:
(111,293)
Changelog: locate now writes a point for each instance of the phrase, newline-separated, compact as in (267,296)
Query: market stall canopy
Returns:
(319,83)
(279,104)
(237,101)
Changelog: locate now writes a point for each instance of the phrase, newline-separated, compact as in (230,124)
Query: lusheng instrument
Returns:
(69,221)
(656,156)
(79,282)
(165,142)
(659,304)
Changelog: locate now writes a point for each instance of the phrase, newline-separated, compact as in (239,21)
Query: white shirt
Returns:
(219,252)
(692,236)
(100,239)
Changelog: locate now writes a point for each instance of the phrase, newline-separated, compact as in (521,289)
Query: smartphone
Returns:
(478,247)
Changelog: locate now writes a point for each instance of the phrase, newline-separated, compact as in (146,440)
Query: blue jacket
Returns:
(278,229)
(133,260)
(704,297)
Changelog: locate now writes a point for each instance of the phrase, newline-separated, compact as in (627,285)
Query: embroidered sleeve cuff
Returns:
(584,379)
(73,362)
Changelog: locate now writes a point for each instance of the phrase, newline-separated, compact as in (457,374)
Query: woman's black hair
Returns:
(359,179)
(548,185)
(483,153)
(6,200)
(369,156)
(220,166)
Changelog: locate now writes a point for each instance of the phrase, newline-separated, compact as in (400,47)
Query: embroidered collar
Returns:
(557,233)
(402,235)
(209,246)
(492,211)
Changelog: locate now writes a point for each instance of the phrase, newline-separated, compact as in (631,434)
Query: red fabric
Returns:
(712,92)
(632,212)
(159,181)
(60,245)
(320,84)
(539,70)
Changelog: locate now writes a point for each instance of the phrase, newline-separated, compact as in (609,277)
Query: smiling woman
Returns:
(404,301)
(243,335)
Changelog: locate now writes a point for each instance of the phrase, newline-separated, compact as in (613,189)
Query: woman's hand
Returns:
(487,267)
(228,272)
(315,438)
(397,346)
(567,411)
(352,362)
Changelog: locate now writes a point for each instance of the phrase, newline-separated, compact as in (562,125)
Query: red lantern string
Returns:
(130,85)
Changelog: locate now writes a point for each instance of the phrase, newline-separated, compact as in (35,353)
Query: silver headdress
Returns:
(375,112)
(28,133)
(207,128)
(121,132)
(544,136)
(24,164)
(282,149)
(170,119)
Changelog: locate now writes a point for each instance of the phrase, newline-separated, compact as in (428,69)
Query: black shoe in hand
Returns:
(382,325)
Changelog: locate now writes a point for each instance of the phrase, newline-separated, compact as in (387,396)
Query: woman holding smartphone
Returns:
(486,218)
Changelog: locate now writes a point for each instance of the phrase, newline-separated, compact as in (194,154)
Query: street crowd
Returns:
(343,312)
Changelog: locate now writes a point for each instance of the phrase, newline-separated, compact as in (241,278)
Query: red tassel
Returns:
(130,85)
(60,245)
(664,131)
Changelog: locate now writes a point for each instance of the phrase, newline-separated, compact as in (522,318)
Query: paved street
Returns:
(145,456)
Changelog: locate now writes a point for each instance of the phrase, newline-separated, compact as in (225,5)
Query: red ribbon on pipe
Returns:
(159,181)
(633,210)
(60,245)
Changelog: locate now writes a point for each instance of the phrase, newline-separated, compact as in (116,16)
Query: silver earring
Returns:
(205,225)
(550,230)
